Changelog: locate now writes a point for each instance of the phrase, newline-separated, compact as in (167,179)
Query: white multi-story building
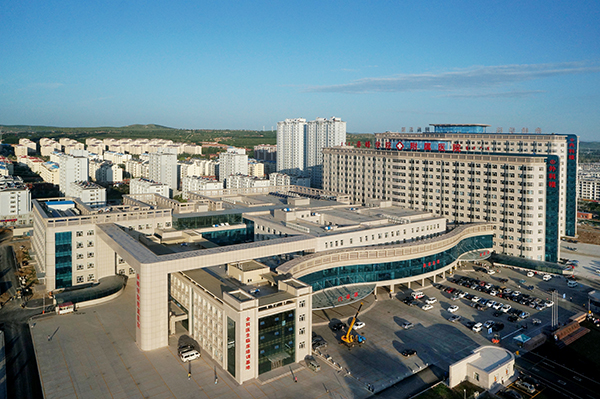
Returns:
(163,167)
(300,145)
(90,193)
(281,179)
(145,186)
(232,162)
(243,181)
(105,172)
(321,133)
(195,183)
(137,168)
(48,146)
(30,144)
(473,139)
(255,168)
(71,169)
(15,202)
(116,157)
(290,145)
(50,172)
(589,188)
(22,150)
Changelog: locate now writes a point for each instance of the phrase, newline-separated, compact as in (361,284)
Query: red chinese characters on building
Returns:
(456,147)
(552,169)
(441,147)
(378,144)
(358,144)
(247,332)
(388,145)
(427,146)
(138,300)
(368,144)
(413,146)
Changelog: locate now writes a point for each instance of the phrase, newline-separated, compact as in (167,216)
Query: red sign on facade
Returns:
(247,331)
(400,146)
(456,147)
(138,300)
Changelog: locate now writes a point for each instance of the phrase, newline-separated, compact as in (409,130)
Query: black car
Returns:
(337,326)
(408,352)
(532,381)
(470,324)
(498,313)
(498,327)
(512,318)
(511,393)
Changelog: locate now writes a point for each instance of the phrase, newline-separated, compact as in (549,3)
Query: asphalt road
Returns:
(563,380)
(23,379)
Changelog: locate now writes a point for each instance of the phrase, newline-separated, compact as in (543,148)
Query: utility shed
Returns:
(487,367)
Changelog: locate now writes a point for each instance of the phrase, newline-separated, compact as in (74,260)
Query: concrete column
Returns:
(444,275)
(422,282)
(408,285)
(434,278)
(152,312)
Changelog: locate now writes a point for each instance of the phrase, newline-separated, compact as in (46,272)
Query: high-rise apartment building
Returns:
(300,145)
(232,162)
(515,181)
(163,167)
(71,169)
(265,152)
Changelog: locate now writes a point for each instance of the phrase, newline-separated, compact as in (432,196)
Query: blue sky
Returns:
(379,65)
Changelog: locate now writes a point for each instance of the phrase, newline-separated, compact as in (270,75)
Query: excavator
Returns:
(352,338)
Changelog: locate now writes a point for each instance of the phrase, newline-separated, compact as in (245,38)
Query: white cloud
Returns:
(477,77)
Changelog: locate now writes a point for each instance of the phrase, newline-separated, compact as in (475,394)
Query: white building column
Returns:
(152,312)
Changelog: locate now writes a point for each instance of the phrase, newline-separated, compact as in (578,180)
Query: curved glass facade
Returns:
(376,272)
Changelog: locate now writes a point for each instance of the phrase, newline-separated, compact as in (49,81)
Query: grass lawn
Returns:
(441,391)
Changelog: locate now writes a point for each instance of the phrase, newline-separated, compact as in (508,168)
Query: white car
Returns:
(547,277)
(477,327)
(488,324)
(516,293)
(549,304)
(490,304)
(530,274)
(497,305)
(475,299)
(490,272)
(431,301)
(189,355)
(358,325)
(452,308)
(506,308)
(426,307)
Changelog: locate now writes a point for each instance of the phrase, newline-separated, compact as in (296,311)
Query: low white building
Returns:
(487,367)
(90,193)
(193,183)
(145,186)
(242,181)
(281,179)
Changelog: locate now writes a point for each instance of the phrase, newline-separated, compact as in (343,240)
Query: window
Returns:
(90,277)
(302,303)
(301,345)
(79,256)
(79,267)
(90,244)
(90,265)
(302,331)
(301,317)
(90,232)
(90,254)
(80,279)
(79,234)
(79,245)
(131,271)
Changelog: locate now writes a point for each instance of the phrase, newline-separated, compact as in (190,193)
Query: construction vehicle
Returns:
(351,337)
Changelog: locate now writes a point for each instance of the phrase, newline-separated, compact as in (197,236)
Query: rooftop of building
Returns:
(69,206)
(216,281)
(87,185)
(489,358)
(459,124)
(8,183)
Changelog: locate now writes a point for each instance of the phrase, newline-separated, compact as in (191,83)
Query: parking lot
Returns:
(436,339)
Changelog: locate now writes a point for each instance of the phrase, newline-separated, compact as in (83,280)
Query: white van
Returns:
(189,355)
(546,277)
(417,294)
(572,284)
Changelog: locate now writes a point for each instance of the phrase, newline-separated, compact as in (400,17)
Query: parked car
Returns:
(454,318)
(547,277)
(477,327)
(431,300)
(525,386)
(408,352)
(498,305)
(358,325)
(511,393)
(426,307)
(337,326)
(530,274)
(452,308)
(506,308)
(407,325)
(488,324)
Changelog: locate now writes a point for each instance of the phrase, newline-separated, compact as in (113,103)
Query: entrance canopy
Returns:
(341,296)
(522,338)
